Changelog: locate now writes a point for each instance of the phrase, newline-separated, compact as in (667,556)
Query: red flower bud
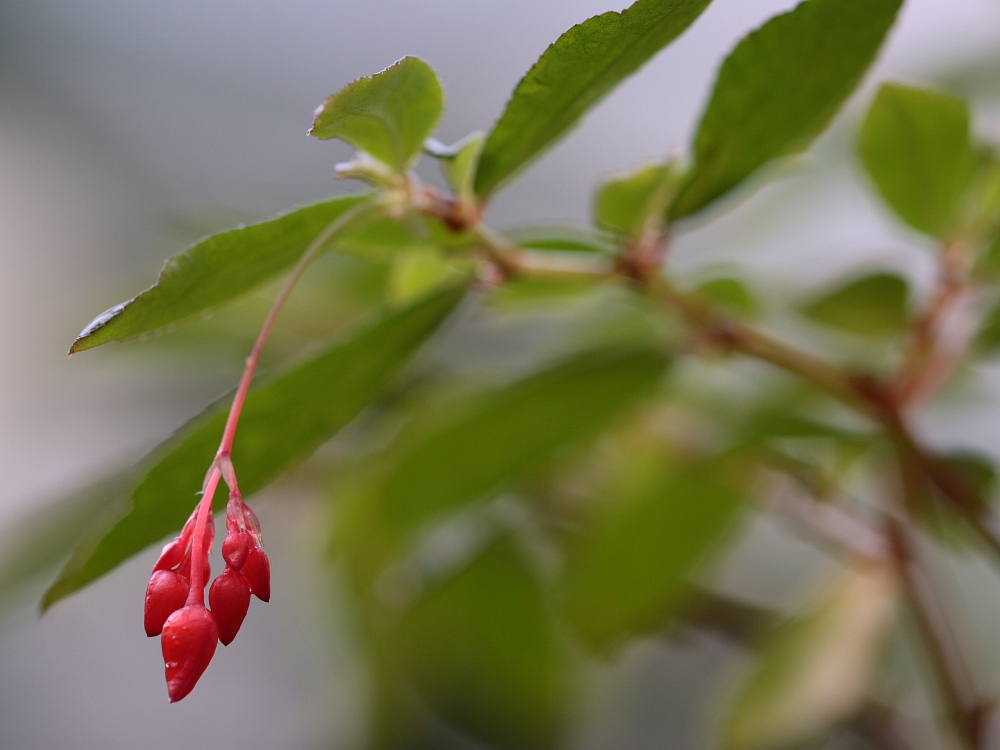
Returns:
(257,571)
(167,591)
(230,600)
(190,636)
(235,549)
(171,556)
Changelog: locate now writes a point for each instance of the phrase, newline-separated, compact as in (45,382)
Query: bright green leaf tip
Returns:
(387,115)
(574,74)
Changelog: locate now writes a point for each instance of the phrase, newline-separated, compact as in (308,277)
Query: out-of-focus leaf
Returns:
(415,273)
(988,339)
(284,421)
(481,652)
(915,146)
(939,517)
(815,671)
(388,115)
(513,432)
(779,88)
(459,161)
(533,293)
(987,267)
(215,270)
(384,238)
(624,203)
(729,293)
(570,239)
(572,75)
(627,570)
(875,305)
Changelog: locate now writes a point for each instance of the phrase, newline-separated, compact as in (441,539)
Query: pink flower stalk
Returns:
(175,597)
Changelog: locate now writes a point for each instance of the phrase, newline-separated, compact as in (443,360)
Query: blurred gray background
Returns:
(128,128)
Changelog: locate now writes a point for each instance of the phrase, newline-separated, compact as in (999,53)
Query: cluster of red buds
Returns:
(175,597)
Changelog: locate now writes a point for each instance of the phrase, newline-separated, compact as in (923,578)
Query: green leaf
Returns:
(215,270)
(481,652)
(815,672)
(459,161)
(915,146)
(779,88)
(416,273)
(875,305)
(626,202)
(987,266)
(730,294)
(627,570)
(284,420)
(987,341)
(513,432)
(573,74)
(388,115)
(571,239)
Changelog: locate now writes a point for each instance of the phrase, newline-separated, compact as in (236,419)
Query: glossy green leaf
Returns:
(284,420)
(915,146)
(216,270)
(459,161)
(627,570)
(815,671)
(513,432)
(875,305)
(573,74)
(624,203)
(481,652)
(388,115)
(779,88)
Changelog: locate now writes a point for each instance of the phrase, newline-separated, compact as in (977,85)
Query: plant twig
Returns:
(966,710)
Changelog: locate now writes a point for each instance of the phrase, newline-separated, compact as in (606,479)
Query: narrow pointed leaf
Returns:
(573,74)
(284,421)
(388,115)
(915,146)
(779,88)
(514,432)
(216,270)
(627,570)
(481,652)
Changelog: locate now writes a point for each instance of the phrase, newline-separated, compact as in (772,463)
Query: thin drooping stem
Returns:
(222,466)
(314,248)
